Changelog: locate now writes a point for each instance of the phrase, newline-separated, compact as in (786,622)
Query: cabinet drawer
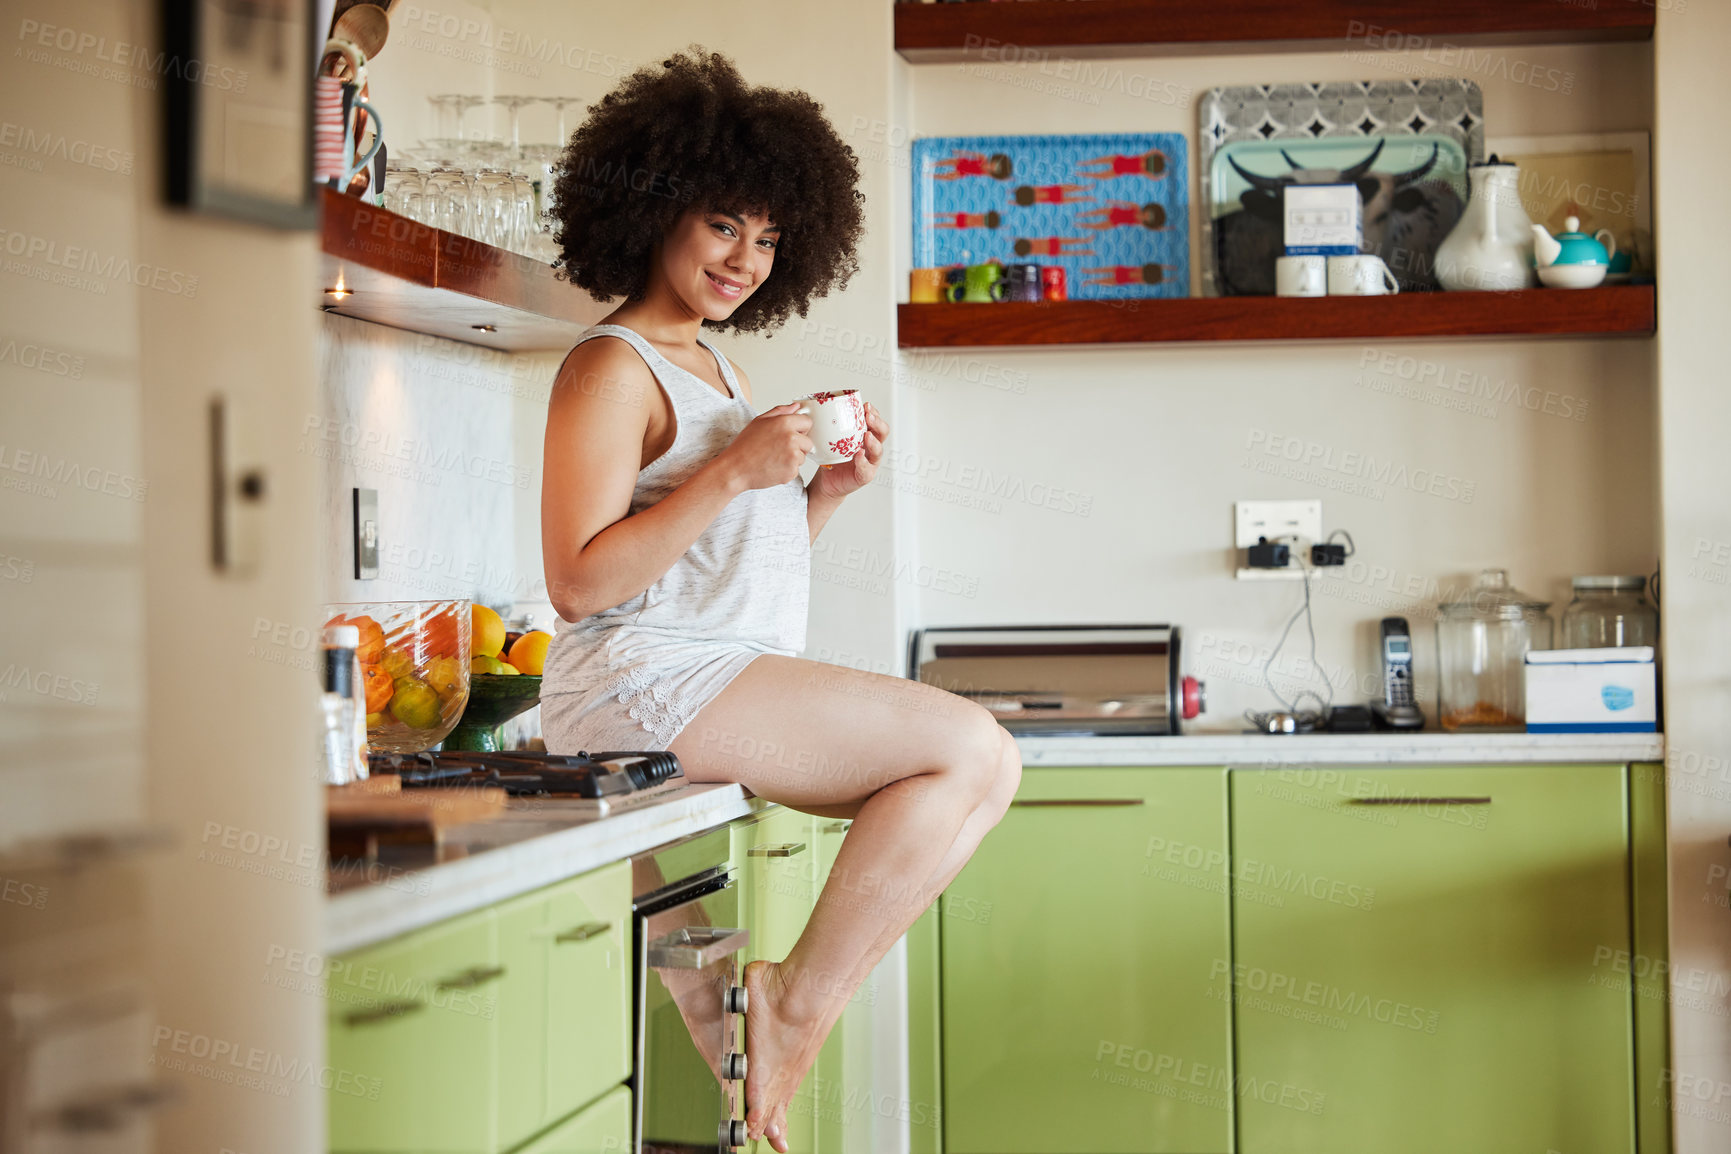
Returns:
(1421,960)
(416,1019)
(1084,970)
(588,1007)
(602,1127)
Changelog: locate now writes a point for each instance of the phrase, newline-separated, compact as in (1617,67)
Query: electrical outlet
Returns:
(1275,520)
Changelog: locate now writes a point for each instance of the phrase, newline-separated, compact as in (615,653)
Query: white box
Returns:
(1325,219)
(1592,691)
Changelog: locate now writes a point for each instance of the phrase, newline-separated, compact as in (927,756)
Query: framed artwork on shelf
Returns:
(1109,209)
(1405,143)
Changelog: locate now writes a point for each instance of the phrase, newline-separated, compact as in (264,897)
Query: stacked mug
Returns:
(987,283)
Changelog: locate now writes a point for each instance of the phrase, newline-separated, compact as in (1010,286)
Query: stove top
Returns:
(529,774)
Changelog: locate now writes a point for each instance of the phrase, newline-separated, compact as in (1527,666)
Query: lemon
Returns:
(416,704)
(509,670)
(445,675)
(397,662)
(487,632)
(529,655)
(481,665)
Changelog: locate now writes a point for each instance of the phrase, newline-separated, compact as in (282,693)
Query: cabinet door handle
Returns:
(777,849)
(838,827)
(382,1013)
(472,977)
(1418,801)
(584,932)
(1042,802)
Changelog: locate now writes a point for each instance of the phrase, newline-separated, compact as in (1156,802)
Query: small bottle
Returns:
(337,703)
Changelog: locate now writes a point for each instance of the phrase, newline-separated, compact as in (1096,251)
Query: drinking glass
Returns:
(492,206)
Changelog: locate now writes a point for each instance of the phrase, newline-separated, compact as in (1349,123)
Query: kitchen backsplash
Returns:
(434,426)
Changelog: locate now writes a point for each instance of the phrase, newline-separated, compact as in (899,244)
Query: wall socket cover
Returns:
(1276,519)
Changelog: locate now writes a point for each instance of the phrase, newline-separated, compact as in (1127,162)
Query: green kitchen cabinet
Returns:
(414,1024)
(602,1127)
(835,1085)
(565,1011)
(588,1005)
(474,1034)
(1085,956)
(775,855)
(1421,960)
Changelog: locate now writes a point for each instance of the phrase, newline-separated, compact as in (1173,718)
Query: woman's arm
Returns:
(596,555)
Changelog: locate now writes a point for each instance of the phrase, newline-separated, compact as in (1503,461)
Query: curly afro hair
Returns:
(691,133)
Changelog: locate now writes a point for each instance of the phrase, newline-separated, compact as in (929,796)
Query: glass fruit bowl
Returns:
(414,659)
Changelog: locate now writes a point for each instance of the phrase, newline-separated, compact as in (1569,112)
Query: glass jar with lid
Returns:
(1482,644)
(1609,613)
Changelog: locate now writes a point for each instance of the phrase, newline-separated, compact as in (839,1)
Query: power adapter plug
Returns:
(1325,554)
(1266,554)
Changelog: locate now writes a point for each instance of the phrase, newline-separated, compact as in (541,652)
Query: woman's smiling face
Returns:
(713,260)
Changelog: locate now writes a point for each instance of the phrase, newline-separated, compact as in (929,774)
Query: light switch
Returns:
(237,483)
(366,506)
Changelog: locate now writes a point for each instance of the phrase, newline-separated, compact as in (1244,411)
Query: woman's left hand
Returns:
(837,481)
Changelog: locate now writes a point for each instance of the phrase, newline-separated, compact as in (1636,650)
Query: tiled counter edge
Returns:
(375,913)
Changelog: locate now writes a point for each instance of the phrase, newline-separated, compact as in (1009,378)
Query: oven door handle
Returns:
(696,947)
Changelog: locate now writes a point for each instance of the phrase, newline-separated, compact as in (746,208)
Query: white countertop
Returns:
(488,862)
(1254,750)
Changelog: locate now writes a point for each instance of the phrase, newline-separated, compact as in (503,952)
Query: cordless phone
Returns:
(1397,709)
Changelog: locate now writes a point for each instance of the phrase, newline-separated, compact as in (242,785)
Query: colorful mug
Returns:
(1052,283)
(1023,282)
(926,285)
(980,284)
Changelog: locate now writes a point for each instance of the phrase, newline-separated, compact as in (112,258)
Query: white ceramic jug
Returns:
(1491,247)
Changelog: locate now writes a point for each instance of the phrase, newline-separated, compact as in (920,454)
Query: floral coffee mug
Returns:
(838,425)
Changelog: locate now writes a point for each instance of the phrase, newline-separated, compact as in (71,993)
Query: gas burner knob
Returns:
(735,1001)
(733,1133)
(733,1067)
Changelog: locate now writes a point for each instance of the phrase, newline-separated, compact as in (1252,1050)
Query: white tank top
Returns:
(747,578)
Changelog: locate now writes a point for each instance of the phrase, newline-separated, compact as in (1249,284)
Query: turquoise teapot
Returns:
(1572,259)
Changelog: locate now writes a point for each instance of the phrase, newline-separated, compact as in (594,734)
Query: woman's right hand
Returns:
(770,450)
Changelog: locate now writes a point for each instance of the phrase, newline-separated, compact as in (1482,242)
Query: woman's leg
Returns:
(928,772)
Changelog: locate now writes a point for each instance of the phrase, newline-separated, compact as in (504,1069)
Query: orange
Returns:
(379,687)
(530,652)
(441,634)
(487,635)
(372,642)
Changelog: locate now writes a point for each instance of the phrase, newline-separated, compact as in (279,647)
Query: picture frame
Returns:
(237,109)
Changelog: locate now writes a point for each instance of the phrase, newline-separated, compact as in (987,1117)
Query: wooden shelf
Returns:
(411,276)
(1615,311)
(981,31)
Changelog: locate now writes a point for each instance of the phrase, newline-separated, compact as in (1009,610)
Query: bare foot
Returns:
(779,1048)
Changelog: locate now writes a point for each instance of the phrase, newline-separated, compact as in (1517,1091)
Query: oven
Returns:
(687,942)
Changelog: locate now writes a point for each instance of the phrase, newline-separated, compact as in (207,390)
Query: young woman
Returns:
(677,535)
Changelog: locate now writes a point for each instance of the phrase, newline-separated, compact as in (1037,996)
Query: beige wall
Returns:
(1156,443)
(1694,418)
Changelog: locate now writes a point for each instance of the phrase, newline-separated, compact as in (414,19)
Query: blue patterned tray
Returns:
(1110,208)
